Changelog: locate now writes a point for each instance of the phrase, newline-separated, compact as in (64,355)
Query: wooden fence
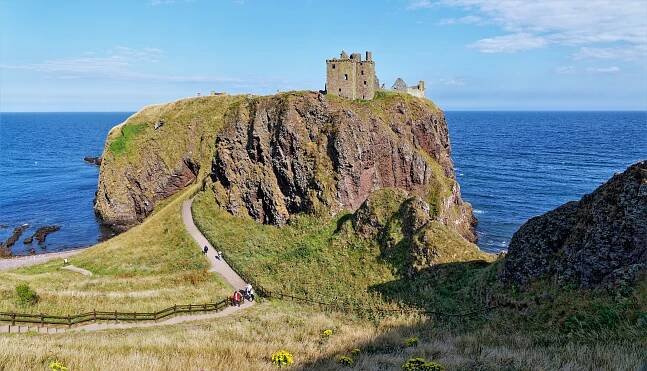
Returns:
(70,320)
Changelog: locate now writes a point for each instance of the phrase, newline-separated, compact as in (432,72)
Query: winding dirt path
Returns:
(218,266)
(25,261)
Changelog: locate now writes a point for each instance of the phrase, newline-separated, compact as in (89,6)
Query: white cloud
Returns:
(468,19)
(509,43)
(454,81)
(119,63)
(579,23)
(612,69)
(420,4)
(634,52)
(565,70)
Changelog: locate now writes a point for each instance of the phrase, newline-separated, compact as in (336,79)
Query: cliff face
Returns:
(307,152)
(271,157)
(155,153)
(599,240)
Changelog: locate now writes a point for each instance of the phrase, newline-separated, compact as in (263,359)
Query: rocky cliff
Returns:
(307,152)
(271,157)
(598,240)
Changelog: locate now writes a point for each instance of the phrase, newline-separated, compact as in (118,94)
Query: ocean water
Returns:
(44,180)
(511,166)
(515,165)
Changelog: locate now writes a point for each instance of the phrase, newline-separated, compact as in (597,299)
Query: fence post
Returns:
(115,316)
(13,319)
(42,319)
(69,321)
(204,306)
(94,315)
(174,308)
(189,308)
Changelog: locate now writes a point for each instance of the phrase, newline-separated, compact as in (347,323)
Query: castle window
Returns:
(364,82)
(362,72)
(345,76)
(333,66)
(340,90)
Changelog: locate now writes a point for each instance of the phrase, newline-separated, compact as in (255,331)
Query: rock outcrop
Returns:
(41,234)
(600,240)
(306,152)
(144,162)
(271,157)
(409,236)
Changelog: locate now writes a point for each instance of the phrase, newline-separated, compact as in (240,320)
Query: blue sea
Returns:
(511,166)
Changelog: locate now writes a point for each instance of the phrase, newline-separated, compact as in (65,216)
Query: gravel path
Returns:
(217,265)
(25,261)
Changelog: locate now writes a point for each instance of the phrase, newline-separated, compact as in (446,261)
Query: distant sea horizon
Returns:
(511,165)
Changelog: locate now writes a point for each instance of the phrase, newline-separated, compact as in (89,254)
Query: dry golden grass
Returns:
(246,340)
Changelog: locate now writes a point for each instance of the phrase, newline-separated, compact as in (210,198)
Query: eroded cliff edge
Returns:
(271,157)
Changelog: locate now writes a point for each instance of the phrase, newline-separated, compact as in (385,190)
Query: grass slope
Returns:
(152,266)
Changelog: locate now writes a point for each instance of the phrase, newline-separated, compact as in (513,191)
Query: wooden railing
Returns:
(71,320)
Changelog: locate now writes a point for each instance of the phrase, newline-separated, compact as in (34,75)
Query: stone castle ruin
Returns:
(354,78)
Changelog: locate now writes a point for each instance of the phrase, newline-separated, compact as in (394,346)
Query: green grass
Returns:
(120,145)
(150,267)
(311,256)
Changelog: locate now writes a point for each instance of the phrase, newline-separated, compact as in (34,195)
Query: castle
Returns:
(354,78)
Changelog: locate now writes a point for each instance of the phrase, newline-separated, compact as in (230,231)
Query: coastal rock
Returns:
(5,248)
(600,240)
(274,156)
(93,160)
(305,152)
(41,234)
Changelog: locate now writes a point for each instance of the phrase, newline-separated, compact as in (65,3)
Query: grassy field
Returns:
(152,266)
(246,341)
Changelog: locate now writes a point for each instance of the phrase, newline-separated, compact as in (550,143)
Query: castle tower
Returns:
(350,77)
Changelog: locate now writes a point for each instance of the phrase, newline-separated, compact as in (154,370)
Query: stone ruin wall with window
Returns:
(351,77)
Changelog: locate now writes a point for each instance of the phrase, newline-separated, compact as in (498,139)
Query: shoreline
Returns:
(29,260)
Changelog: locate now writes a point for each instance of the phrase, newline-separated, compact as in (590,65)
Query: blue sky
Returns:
(473,54)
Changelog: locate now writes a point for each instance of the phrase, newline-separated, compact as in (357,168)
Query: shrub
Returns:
(57,366)
(326,333)
(421,364)
(411,342)
(345,360)
(26,295)
(355,352)
(282,358)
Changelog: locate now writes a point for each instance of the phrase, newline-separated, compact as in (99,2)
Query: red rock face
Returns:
(303,152)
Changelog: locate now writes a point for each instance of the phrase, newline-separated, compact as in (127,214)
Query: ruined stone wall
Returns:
(366,80)
(341,77)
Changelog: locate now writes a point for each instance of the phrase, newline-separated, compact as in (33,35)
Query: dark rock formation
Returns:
(292,153)
(599,240)
(5,248)
(41,234)
(92,160)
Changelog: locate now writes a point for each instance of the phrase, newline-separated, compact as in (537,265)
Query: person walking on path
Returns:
(237,298)
(204,251)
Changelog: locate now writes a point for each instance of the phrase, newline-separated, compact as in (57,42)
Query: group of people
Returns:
(218,253)
(246,293)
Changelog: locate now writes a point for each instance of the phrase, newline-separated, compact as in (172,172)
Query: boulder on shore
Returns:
(600,240)
(93,160)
